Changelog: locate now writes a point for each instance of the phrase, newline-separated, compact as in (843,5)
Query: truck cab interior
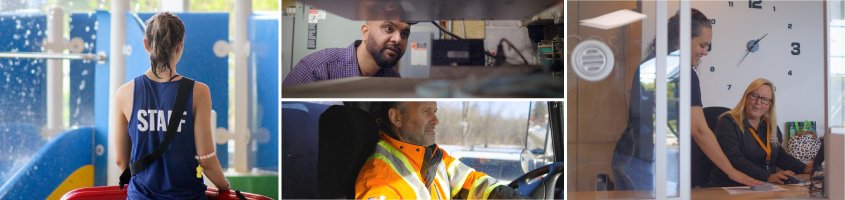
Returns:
(325,144)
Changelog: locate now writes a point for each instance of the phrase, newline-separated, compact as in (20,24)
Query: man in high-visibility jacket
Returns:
(408,165)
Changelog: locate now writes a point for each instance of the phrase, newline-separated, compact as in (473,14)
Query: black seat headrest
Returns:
(347,138)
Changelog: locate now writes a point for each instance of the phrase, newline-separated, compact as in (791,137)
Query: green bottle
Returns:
(813,127)
(808,126)
(790,131)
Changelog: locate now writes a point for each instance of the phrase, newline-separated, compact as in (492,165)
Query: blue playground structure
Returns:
(41,162)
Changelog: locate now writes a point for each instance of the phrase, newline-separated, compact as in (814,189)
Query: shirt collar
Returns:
(760,126)
(351,55)
(414,153)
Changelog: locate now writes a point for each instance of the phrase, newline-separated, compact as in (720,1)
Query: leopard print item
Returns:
(803,147)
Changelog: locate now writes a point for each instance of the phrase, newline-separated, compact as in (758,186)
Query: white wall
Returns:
(800,96)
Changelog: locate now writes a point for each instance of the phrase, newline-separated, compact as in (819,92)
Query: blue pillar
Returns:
(264,66)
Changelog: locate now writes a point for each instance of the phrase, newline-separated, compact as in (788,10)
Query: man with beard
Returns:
(383,42)
(407,164)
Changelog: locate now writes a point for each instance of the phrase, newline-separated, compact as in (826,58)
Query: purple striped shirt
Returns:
(330,63)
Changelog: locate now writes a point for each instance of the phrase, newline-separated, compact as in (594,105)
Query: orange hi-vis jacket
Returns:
(394,172)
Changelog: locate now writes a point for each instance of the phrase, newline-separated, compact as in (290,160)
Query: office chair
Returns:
(701,165)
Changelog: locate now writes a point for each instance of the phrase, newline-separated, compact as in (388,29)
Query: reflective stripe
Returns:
(437,190)
(482,187)
(491,187)
(441,188)
(458,172)
(389,163)
(440,179)
(393,156)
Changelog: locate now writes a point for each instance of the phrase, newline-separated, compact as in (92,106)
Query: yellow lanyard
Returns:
(767,147)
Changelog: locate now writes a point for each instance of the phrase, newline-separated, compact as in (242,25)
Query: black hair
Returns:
(698,20)
(164,31)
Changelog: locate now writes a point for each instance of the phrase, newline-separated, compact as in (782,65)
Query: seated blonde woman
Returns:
(750,138)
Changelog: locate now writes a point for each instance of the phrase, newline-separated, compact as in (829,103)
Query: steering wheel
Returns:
(544,188)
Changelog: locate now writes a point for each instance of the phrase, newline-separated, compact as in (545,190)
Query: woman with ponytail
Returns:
(143,108)
(633,157)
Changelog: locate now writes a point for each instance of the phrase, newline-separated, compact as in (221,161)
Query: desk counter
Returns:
(792,192)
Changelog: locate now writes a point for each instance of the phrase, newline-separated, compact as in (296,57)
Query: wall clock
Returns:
(782,41)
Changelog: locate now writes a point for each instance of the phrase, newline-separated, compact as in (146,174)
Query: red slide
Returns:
(114,192)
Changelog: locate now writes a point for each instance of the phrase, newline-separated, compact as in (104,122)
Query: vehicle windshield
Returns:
(491,136)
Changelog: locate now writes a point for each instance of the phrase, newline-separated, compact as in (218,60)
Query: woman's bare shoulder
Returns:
(201,89)
(125,89)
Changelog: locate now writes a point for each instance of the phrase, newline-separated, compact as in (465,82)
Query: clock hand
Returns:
(747,51)
(751,47)
(757,41)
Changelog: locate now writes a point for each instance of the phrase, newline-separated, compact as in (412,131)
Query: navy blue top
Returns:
(174,176)
(637,140)
(696,90)
(746,155)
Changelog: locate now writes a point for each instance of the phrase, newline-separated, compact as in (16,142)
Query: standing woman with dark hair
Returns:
(143,107)
(633,157)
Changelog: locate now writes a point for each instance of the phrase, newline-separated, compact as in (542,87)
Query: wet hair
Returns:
(164,31)
(698,20)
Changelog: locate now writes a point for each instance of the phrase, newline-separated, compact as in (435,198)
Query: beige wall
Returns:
(474,28)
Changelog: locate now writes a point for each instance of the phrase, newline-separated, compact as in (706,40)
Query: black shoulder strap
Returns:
(239,195)
(173,123)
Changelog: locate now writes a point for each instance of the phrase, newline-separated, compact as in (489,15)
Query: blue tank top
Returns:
(174,176)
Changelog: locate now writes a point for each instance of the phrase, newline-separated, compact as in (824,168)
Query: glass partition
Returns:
(614,116)
(835,103)
(836,67)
